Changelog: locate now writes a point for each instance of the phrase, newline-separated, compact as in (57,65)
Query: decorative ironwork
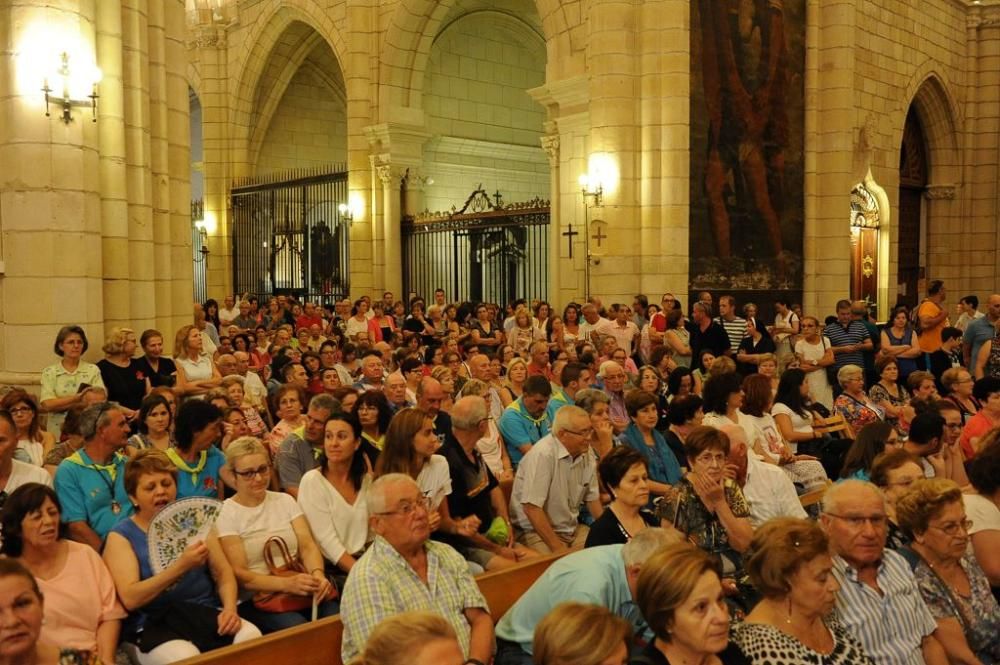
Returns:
(864,208)
(199,251)
(289,235)
(487,250)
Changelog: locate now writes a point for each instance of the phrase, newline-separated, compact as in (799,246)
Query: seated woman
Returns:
(200,464)
(289,402)
(624,476)
(680,595)
(248,521)
(522,334)
(410,447)
(794,418)
(858,410)
(81,608)
(685,414)
(922,386)
(723,396)
(709,508)
(987,392)
(121,372)
(869,443)
(597,404)
(33,442)
(412,638)
(767,441)
(234,386)
(332,497)
(155,425)
(768,366)
(513,385)
(893,472)
(581,634)
(953,585)
(957,383)
(374,413)
(680,383)
(891,395)
(21,600)
(642,436)
(196,372)
(650,381)
(982,506)
(789,563)
(174,614)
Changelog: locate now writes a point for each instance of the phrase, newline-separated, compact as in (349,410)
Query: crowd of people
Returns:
(373,457)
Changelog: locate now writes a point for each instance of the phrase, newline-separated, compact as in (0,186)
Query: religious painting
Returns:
(747,158)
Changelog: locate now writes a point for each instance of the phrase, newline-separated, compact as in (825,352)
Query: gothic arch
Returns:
(275,19)
(930,97)
(416,23)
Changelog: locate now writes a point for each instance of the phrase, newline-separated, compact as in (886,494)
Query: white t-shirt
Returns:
(799,423)
(766,434)
(718,421)
(770,492)
(819,387)
(601,327)
(23,473)
(435,480)
(273,517)
(338,526)
(227,316)
(983,513)
(31,450)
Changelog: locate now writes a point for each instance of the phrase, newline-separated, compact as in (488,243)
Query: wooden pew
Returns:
(318,643)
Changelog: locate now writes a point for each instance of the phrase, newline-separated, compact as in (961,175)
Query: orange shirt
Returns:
(929,340)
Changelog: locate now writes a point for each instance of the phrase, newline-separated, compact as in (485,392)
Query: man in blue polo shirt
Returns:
(90,482)
(605,576)
(573,378)
(525,420)
(980,330)
(848,337)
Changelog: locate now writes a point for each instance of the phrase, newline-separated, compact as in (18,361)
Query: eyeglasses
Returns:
(250,474)
(407,508)
(708,458)
(586,434)
(952,528)
(20,409)
(858,521)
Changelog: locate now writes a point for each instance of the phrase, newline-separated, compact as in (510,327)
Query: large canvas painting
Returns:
(747,161)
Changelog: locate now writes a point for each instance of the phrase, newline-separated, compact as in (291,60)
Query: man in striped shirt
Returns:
(848,337)
(735,326)
(879,602)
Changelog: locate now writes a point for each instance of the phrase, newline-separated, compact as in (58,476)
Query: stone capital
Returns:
(550,144)
(405,143)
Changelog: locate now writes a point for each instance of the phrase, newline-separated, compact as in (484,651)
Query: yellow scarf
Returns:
(179,462)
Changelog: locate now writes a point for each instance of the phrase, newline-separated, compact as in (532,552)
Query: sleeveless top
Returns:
(195,586)
(906,365)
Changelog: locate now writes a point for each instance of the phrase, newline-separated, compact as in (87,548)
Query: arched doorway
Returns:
(913,169)
(866,220)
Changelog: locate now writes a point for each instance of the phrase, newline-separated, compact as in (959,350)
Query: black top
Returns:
(607,530)
(412,325)
(676,445)
(164,375)
(764,345)
(125,385)
(714,338)
(650,655)
(471,485)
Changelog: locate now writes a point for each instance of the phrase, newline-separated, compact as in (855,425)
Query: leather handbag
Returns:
(281,601)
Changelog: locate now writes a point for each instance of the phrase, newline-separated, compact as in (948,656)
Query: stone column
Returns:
(50,203)
(550,143)
(392,278)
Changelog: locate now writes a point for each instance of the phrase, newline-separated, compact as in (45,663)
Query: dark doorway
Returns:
(912,184)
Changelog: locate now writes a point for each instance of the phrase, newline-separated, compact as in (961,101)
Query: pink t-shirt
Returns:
(78,600)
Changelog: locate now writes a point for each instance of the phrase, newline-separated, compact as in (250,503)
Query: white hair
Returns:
(607,365)
(646,543)
(565,415)
(375,500)
(846,488)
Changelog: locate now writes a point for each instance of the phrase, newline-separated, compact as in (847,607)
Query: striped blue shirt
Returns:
(891,625)
(854,333)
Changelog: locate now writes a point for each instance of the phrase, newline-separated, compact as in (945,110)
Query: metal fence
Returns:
(198,251)
(289,236)
(485,252)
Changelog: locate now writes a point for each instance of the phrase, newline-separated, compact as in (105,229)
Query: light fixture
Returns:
(345,212)
(203,232)
(66,101)
(591,187)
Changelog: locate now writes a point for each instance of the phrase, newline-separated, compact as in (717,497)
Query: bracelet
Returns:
(315,569)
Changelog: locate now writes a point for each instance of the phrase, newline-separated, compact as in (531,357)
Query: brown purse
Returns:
(281,601)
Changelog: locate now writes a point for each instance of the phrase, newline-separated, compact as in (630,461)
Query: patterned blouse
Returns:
(977,613)
(762,643)
(879,393)
(857,413)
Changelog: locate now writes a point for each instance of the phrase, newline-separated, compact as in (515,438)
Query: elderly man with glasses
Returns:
(879,602)
(554,478)
(404,570)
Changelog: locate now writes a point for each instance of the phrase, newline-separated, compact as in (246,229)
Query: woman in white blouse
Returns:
(332,497)
(196,373)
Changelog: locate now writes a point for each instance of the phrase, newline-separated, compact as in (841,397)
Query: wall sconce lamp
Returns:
(346,213)
(203,232)
(65,101)
(591,187)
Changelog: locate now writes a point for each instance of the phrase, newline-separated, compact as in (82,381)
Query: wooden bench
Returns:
(318,643)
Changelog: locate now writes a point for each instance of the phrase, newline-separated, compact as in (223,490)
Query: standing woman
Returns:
(373,413)
(571,323)
(154,422)
(196,373)
(124,379)
(677,337)
(899,342)
(815,354)
(33,443)
(245,523)
(358,323)
(159,370)
(61,382)
(410,447)
(755,345)
(332,497)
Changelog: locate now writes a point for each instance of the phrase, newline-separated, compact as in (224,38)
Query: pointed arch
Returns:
(929,94)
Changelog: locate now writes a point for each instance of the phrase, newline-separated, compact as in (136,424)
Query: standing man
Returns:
(639,306)
(933,317)
(623,329)
(706,335)
(735,326)
(980,330)
(848,338)
(594,326)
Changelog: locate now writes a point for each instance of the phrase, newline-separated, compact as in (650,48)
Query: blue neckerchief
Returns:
(663,466)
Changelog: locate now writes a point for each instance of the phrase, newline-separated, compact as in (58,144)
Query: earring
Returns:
(789,619)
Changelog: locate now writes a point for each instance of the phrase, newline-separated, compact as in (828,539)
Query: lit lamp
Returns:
(202,227)
(66,101)
(345,212)
(590,187)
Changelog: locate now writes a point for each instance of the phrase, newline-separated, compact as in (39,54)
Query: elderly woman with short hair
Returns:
(125,380)
(596,403)
(858,410)
(955,588)
(62,382)
(891,395)
(642,436)
(789,563)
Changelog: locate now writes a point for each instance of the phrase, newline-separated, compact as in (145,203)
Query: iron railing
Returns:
(198,251)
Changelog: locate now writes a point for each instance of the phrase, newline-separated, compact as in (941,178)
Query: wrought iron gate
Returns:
(487,251)
(289,236)
(198,250)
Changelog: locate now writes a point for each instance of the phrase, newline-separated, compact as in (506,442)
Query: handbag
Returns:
(281,601)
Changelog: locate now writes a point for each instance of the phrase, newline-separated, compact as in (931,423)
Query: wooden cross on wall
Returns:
(599,236)
(569,236)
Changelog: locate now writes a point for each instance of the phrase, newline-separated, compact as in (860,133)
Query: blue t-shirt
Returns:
(976,333)
(518,428)
(87,492)
(206,481)
(558,400)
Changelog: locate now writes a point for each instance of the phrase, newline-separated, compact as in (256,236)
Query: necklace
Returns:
(112,470)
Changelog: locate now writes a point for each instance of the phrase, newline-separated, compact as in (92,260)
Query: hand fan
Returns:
(176,526)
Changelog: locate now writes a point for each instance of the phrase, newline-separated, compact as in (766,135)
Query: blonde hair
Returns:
(243,446)
(116,339)
(925,499)
(474,387)
(181,340)
(399,638)
(579,634)
(722,365)
(510,366)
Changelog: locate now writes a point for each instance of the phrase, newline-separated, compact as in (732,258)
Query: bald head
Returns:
(479,367)
(227,364)
(467,414)
(430,394)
